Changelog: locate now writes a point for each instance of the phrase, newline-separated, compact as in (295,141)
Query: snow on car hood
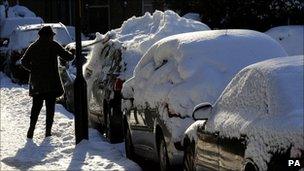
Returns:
(290,37)
(264,101)
(184,70)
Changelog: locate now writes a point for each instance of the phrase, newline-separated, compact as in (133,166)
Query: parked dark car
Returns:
(20,39)
(67,72)
(256,124)
(7,26)
(177,73)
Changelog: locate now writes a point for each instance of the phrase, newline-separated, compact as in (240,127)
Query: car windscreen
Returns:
(21,39)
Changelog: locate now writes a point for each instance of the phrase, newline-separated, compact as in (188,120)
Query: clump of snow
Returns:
(290,37)
(193,16)
(53,153)
(128,43)
(191,131)
(264,101)
(183,70)
(23,36)
(10,24)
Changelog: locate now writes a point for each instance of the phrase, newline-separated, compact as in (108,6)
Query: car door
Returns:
(207,155)
(231,153)
(141,124)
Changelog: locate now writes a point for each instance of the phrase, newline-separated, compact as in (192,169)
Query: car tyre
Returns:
(163,155)
(129,144)
(113,132)
(189,156)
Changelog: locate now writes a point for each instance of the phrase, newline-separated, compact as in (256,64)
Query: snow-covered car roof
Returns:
(264,101)
(23,36)
(291,37)
(8,25)
(133,39)
(186,69)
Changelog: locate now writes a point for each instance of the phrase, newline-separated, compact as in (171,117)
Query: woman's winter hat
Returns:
(46,31)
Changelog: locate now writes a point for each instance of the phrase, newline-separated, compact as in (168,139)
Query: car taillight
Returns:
(118,84)
(4,42)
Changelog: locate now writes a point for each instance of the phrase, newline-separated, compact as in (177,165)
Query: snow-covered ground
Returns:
(54,153)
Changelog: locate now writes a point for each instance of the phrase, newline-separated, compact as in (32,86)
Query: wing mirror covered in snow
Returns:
(202,111)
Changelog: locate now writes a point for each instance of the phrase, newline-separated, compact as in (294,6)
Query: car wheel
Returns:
(163,155)
(97,126)
(189,156)
(114,132)
(128,143)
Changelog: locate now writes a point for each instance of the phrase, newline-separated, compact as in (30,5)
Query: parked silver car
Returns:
(256,124)
(176,74)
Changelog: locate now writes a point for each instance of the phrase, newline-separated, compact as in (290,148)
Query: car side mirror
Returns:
(202,111)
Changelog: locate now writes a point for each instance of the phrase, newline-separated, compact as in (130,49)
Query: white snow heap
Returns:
(290,37)
(193,16)
(133,39)
(264,101)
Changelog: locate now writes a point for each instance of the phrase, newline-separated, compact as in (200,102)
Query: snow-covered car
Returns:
(177,73)
(113,60)
(68,72)
(291,37)
(7,26)
(20,39)
(256,123)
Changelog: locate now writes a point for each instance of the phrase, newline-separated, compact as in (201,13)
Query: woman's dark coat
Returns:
(41,59)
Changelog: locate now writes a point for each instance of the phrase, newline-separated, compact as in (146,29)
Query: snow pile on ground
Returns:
(128,43)
(290,37)
(53,153)
(184,70)
(265,102)
(192,16)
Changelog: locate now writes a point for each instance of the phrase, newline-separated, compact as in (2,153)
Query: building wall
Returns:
(98,15)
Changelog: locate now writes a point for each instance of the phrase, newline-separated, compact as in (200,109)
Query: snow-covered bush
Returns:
(290,37)
(180,71)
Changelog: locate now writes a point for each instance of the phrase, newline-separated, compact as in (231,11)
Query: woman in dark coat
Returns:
(41,60)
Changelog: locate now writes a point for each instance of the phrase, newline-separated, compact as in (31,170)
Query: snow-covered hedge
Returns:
(264,101)
(290,37)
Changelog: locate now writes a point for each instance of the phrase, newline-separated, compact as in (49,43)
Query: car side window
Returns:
(162,64)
